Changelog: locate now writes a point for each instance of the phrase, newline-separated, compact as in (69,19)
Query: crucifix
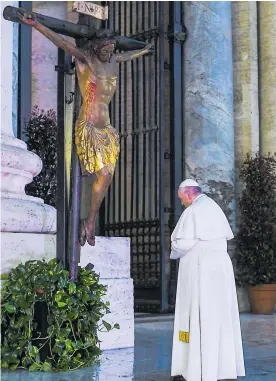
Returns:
(96,141)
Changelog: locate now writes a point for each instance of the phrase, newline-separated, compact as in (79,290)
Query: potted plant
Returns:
(255,258)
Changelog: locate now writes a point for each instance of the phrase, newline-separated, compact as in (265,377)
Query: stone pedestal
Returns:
(19,248)
(111,258)
(19,212)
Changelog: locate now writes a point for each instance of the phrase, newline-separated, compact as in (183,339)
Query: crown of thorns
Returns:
(104,35)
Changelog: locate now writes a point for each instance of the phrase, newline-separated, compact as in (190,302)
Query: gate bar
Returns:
(176,107)
(163,257)
(62,217)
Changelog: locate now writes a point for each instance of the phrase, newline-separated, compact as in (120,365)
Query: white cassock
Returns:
(207,344)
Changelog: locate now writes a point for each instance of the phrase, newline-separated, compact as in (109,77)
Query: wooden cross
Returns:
(68,248)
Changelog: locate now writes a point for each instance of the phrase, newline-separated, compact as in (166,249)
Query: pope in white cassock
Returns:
(207,343)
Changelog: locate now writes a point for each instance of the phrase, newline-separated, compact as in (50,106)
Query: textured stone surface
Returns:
(45,57)
(111,258)
(267,19)
(114,253)
(19,248)
(15,74)
(19,212)
(6,72)
(120,296)
(245,71)
(23,215)
(18,165)
(209,138)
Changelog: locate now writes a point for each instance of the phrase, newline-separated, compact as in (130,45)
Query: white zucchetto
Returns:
(188,183)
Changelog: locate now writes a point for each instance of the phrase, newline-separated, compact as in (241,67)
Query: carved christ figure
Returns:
(97,142)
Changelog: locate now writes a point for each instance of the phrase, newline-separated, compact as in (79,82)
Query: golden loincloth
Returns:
(96,147)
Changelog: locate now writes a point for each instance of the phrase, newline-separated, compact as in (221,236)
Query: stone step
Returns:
(141,317)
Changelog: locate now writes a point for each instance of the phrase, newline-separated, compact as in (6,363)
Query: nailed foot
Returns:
(87,233)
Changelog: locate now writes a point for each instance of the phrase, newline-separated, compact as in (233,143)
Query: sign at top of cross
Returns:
(91,9)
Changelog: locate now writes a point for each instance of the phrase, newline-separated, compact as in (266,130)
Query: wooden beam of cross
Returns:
(77,31)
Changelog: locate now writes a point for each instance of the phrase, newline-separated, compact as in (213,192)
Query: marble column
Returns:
(15,75)
(19,212)
(209,119)
(245,70)
(267,43)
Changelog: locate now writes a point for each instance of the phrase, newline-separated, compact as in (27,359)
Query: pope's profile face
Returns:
(185,197)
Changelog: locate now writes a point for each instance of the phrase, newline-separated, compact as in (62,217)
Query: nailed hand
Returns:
(150,47)
(27,18)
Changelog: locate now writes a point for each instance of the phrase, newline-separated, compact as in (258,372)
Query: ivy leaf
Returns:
(9,308)
(117,326)
(68,345)
(52,262)
(85,297)
(34,367)
(22,303)
(62,282)
(72,315)
(14,366)
(33,351)
(46,367)
(107,325)
(61,304)
(72,288)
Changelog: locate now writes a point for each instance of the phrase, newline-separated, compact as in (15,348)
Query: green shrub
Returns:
(73,312)
(255,258)
(41,132)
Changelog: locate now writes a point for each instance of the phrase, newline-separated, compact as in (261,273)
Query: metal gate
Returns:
(135,205)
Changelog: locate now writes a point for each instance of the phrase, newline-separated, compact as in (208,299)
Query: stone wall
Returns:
(45,57)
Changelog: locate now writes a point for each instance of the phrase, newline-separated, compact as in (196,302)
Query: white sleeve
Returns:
(181,247)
